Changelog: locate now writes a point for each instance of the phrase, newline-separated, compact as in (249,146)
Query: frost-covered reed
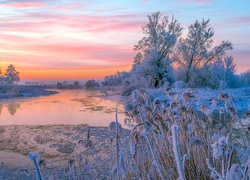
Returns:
(35,158)
(186,141)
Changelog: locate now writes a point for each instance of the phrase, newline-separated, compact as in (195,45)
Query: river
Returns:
(68,107)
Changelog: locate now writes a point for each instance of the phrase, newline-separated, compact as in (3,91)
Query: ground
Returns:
(57,144)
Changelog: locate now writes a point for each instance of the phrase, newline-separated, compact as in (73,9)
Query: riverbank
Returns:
(16,91)
(57,145)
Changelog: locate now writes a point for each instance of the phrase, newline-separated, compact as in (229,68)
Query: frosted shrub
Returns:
(218,147)
(245,78)
(230,162)
(172,137)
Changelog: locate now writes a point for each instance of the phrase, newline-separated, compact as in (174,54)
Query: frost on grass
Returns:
(35,157)
(181,135)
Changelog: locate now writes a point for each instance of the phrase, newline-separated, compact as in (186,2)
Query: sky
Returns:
(83,39)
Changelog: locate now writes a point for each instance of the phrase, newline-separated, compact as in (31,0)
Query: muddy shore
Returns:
(56,144)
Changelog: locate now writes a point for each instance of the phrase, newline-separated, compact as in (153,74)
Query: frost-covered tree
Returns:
(219,74)
(230,77)
(11,75)
(154,52)
(116,79)
(198,61)
(197,51)
(229,65)
(211,75)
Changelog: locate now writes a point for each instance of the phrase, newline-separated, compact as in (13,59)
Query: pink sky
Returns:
(82,39)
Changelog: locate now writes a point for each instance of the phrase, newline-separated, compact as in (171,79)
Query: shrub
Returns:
(91,84)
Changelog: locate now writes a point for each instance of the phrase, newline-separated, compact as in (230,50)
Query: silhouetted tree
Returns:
(11,75)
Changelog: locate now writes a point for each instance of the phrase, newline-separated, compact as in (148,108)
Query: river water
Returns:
(68,107)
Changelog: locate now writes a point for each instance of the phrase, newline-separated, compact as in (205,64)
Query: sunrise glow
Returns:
(68,40)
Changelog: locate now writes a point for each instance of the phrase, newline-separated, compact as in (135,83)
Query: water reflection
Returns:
(12,108)
(1,107)
(68,107)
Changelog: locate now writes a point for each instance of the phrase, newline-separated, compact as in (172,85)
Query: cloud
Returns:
(197,1)
(238,20)
(73,55)
(38,21)
(23,4)
(51,40)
